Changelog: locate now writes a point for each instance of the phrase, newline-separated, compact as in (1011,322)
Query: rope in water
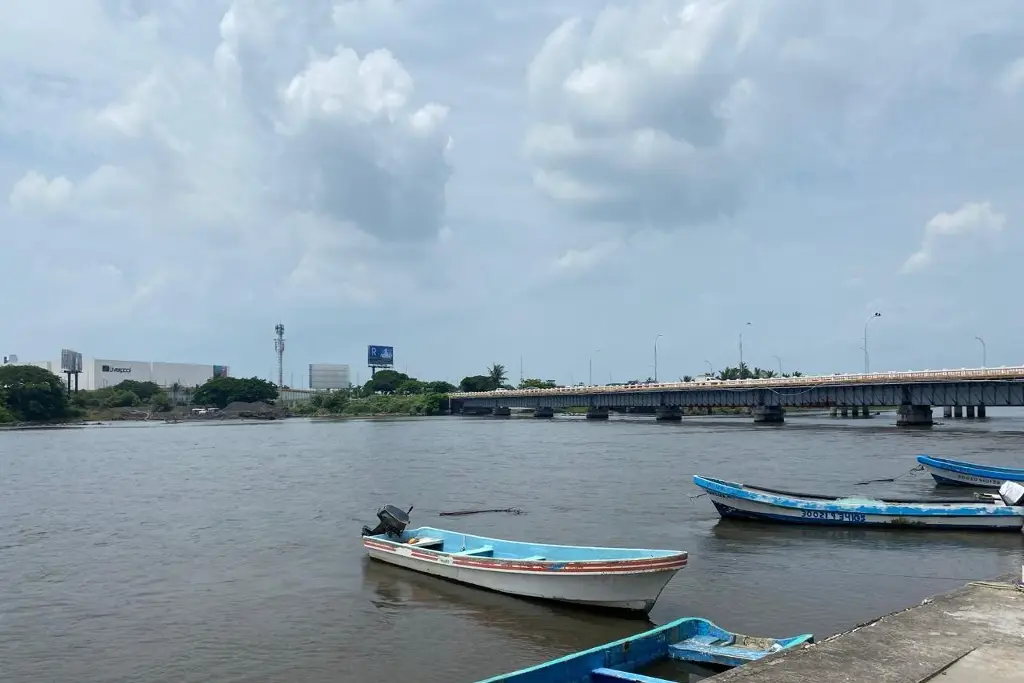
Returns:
(874,481)
(459,513)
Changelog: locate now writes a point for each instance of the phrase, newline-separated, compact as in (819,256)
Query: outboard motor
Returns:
(1012,493)
(393,521)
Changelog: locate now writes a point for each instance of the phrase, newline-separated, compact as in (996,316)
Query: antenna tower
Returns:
(279,347)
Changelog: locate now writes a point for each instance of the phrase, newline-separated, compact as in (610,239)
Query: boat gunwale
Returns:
(964,467)
(899,507)
(793,641)
(668,559)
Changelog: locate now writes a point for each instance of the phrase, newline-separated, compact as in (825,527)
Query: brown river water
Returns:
(230,552)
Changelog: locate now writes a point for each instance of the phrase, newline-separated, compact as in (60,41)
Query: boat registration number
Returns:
(837,516)
(445,559)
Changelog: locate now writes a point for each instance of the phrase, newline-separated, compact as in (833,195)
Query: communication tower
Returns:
(279,347)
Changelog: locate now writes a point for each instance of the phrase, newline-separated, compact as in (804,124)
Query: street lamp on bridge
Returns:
(984,353)
(656,356)
(867,358)
(590,372)
(711,370)
(780,364)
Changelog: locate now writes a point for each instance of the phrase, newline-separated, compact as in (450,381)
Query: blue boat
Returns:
(960,473)
(627,579)
(983,512)
(689,639)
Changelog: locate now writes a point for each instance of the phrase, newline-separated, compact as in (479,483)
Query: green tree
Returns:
(144,390)
(384,382)
(409,387)
(33,394)
(476,383)
(533,383)
(220,391)
(498,375)
(439,387)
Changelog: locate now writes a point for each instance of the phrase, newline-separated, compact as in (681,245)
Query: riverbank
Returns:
(973,633)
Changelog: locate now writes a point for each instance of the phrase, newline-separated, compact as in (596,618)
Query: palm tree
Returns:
(497,374)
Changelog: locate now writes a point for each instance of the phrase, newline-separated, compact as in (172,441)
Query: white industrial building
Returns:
(329,376)
(104,372)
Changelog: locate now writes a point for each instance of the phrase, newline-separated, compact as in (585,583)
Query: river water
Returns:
(230,552)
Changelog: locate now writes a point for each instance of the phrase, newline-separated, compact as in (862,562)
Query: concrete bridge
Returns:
(914,393)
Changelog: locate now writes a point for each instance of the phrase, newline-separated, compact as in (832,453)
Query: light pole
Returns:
(590,373)
(741,350)
(867,358)
(984,353)
(780,364)
(711,370)
(656,357)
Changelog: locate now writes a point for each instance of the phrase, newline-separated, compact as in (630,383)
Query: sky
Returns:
(545,184)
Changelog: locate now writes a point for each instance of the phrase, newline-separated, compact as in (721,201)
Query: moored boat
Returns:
(629,579)
(959,473)
(982,512)
(689,639)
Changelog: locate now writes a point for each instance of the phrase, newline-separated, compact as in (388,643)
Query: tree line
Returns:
(32,394)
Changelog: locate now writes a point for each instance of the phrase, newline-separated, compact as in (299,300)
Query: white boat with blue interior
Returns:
(615,578)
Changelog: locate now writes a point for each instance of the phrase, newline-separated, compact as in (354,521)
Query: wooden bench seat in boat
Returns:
(427,542)
(482,550)
(604,674)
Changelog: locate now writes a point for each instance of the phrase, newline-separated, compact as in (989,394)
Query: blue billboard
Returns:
(380,356)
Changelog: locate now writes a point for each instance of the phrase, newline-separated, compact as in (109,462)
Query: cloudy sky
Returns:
(478,182)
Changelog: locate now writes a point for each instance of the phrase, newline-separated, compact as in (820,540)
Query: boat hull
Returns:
(690,639)
(957,473)
(634,591)
(739,502)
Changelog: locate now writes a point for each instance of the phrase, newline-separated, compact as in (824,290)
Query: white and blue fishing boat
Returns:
(983,512)
(689,639)
(960,473)
(629,579)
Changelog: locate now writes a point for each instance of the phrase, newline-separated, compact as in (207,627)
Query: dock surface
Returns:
(975,633)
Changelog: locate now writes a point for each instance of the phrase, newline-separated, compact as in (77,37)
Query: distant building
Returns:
(324,376)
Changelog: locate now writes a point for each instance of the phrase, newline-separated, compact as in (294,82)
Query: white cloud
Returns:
(34,189)
(1011,79)
(669,112)
(972,222)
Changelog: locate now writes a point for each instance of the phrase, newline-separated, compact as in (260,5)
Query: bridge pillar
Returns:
(914,416)
(833,412)
(970,412)
(502,411)
(597,413)
(865,412)
(769,414)
(947,412)
(669,413)
(855,412)
(544,411)
(981,411)
(844,412)
(958,411)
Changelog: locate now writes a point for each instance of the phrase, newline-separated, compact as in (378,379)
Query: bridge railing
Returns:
(968,374)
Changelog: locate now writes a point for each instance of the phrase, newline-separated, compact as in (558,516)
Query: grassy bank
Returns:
(339,405)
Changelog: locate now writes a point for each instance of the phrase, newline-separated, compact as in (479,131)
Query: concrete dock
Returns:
(975,633)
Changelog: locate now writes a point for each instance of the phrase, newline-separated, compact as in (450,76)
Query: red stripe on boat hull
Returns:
(647,564)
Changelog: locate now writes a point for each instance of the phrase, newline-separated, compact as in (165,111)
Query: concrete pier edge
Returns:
(973,633)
